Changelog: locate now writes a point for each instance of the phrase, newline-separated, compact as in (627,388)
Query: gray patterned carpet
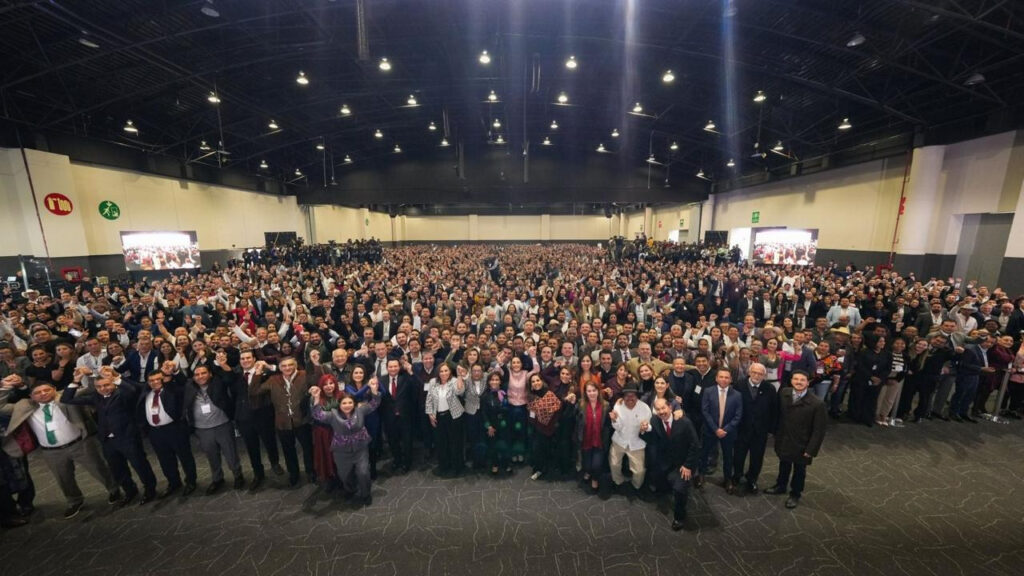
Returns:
(935,498)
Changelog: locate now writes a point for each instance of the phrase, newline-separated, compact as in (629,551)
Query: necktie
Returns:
(721,407)
(668,427)
(394,388)
(156,407)
(248,377)
(625,355)
(51,436)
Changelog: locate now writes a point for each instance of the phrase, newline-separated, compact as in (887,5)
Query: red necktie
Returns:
(394,387)
(156,404)
(668,427)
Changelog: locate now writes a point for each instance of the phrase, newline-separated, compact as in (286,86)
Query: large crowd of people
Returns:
(638,376)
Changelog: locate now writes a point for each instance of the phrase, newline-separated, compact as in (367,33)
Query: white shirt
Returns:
(62,427)
(627,425)
(288,392)
(165,418)
(442,395)
(92,362)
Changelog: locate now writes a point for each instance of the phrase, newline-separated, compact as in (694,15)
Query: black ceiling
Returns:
(87,67)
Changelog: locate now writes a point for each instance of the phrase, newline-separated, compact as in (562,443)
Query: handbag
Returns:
(23,436)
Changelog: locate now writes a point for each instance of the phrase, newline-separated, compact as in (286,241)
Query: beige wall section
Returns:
(1015,242)
(338,223)
(21,233)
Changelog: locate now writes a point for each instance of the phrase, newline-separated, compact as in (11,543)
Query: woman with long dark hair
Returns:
(593,434)
(444,408)
(497,425)
(350,445)
(544,408)
(358,388)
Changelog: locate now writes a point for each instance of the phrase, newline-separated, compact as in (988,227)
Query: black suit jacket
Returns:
(220,393)
(133,369)
(404,402)
(689,396)
(679,448)
(115,414)
(378,330)
(760,408)
(172,399)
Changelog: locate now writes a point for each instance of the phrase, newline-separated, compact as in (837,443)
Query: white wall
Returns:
(222,217)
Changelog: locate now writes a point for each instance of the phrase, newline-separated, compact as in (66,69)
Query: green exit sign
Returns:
(755,217)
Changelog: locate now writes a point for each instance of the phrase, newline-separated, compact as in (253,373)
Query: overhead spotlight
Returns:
(130,128)
(431,127)
(273,125)
(760,97)
(213,98)
(411,101)
(500,139)
(571,63)
(563,98)
(348,159)
(345,110)
(264,165)
(298,172)
(615,132)
(492,97)
(974,79)
(637,108)
(856,40)
(547,141)
(554,124)
(778,147)
(209,9)
(668,77)
(730,9)
(731,163)
(204,146)
(710,126)
(700,174)
(845,124)
(674,147)
(320,146)
(384,65)
(378,134)
(301,78)
(651,159)
(485,58)
(85,41)
(444,142)
(496,123)
(600,148)
(398,149)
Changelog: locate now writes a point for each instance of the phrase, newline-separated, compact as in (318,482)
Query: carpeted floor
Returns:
(934,498)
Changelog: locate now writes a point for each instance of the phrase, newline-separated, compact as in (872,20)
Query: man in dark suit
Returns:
(760,418)
(806,362)
(399,392)
(161,410)
(928,322)
(802,418)
(386,328)
(722,411)
(115,399)
(253,414)
(675,451)
(972,362)
(745,305)
(138,363)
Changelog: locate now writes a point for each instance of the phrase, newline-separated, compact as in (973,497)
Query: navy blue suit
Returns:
(133,369)
(170,440)
(730,423)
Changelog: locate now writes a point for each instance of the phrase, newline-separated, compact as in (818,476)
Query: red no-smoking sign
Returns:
(58,204)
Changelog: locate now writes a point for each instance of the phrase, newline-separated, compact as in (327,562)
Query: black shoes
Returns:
(147,497)
(13,522)
(169,491)
(214,487)
(730,488)
(277,470)
(189,488)
(72,510)
(752,488)
(957,418)
(256,483)
(677,525)
(775,490)
(938,416)
(239,482)
(792,502)
(114,497)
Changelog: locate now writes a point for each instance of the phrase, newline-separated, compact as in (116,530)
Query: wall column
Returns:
(545,226)
(649,222)
(921,202)
(474,227)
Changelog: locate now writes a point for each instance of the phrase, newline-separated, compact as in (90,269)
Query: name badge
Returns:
(533,414)
(696,389)
(51,426)
(821,370)
(205,408)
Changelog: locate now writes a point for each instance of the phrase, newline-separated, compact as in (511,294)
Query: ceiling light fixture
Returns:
(554,124)
(444,142)
(710,126)
(298,172)
(651,159)
(384,65)
(411,101)
(431,127)
(213,98)
(760,97)
(600,148)
(778,147)
(378,134)
(500,139)
(845,124)
(130,128)
(731,163)
(492,97)
(674,147)
(301,79)
(204,146)
(547,141)
(348,159)
(571,63)
(209,9)
(615,132)
(496,123)
(701,175)
(668,77)
(637,108)
(320,146)
(264,165)
(974,79)
(563,98)
(485,58)
(345,110)
(273,125)
(85,41)
(856,40)
(398,149)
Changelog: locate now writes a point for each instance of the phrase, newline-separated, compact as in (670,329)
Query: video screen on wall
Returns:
(160,250)
(785,246)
